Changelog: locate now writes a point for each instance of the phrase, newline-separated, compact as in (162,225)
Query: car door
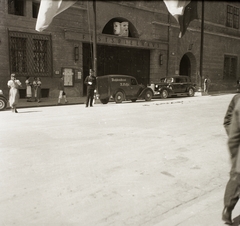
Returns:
(176,85)
(134,88)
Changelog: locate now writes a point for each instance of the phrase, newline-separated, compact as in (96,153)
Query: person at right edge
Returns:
(232,190)
(90,81)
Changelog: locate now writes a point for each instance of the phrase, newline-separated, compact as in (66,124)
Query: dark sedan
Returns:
(177,85)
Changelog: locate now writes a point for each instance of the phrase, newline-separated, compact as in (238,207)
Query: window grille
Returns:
(232,17)
(16,7)
(30,54)
(230,67)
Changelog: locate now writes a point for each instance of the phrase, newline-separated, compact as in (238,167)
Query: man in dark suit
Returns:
(90,81)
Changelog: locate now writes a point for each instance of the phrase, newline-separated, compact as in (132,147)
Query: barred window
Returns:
(30,54)
(232,17)
(16,7)
(230,67)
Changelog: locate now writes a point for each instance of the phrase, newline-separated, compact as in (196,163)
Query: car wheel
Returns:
(3,104)
(133,100)
(148,95)
(104,101)
(164,94)
(191,92)
(119,97)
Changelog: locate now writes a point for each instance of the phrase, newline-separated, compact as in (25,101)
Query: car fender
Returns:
(142,94)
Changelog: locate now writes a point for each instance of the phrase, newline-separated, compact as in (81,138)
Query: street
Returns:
(132,164)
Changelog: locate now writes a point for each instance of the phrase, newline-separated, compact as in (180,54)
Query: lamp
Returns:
(76,53)
(161,59)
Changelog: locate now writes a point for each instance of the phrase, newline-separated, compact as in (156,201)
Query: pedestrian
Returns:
(28,89)
(14,85)
(228,115)
(62,93)
(37,89)
(90,81)
(206,84)
(238,86)
(232,190)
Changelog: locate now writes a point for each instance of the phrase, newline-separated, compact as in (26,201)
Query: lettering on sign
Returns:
(124,84)
(119,80)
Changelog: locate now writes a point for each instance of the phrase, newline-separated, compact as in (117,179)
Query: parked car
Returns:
(3,101)
(120,88)
(177,85)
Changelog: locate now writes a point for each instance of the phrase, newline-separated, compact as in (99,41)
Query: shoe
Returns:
(227,215)
(16,111)
(91,106)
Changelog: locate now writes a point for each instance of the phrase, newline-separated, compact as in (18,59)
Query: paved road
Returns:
(158,163)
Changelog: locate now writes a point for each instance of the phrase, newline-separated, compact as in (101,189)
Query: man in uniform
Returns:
(90,81)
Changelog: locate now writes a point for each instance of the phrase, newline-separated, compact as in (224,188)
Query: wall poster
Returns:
(68,74)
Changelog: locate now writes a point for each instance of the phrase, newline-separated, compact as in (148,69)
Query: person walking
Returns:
(90,81)
(206,84)
(28,89)
(37,89)
(228,115)
(14,85)
(232,190)
(62,93)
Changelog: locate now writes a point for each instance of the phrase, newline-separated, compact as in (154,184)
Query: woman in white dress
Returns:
(14,85)
(28,89)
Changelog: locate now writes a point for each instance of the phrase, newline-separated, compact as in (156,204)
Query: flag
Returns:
(48,10)
(183,11)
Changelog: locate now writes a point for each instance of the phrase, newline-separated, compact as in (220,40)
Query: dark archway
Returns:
(185,66)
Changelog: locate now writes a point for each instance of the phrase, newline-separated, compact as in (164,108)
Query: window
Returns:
(35,8)
(30,54)
(16,7)
(232,17)
(230,67)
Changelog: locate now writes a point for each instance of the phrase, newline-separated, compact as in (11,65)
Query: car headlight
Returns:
(1,92)
(156,86)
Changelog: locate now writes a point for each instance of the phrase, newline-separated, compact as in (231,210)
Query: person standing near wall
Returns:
(62,93)
(90,81)
(14,85)
(37,89)
(206,84)
(28,89)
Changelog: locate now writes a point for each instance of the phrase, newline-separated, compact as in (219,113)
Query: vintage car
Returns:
(177,85)
(120,88)
(3,101)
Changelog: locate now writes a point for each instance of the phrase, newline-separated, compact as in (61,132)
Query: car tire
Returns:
(119,97)
(148,95)
(3,104)
(191,92)
(164,94)
(104,101)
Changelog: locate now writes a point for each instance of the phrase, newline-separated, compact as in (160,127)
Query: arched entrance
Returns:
(187,65)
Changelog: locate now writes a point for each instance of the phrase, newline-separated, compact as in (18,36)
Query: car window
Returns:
(169,80)
(178,80)
(133,82)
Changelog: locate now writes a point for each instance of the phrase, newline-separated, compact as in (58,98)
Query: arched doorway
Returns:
(185,66)
(188,65)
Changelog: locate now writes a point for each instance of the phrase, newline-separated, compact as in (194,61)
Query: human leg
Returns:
(60,96)
(231,197)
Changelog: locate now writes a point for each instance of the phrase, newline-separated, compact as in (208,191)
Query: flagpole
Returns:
(201,44)
(94,39)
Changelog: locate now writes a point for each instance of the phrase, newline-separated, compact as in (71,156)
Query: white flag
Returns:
(183,11)
(48,10)
(176,7)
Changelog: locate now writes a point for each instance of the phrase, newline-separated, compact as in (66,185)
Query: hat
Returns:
(12,75)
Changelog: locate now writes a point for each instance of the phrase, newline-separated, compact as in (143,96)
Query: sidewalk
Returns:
(81,100)
(50,102)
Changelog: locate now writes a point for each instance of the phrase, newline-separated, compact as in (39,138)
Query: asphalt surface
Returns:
(158,163)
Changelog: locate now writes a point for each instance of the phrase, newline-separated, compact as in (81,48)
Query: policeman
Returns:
(90,81)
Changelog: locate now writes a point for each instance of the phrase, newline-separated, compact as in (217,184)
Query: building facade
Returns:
(138,38)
